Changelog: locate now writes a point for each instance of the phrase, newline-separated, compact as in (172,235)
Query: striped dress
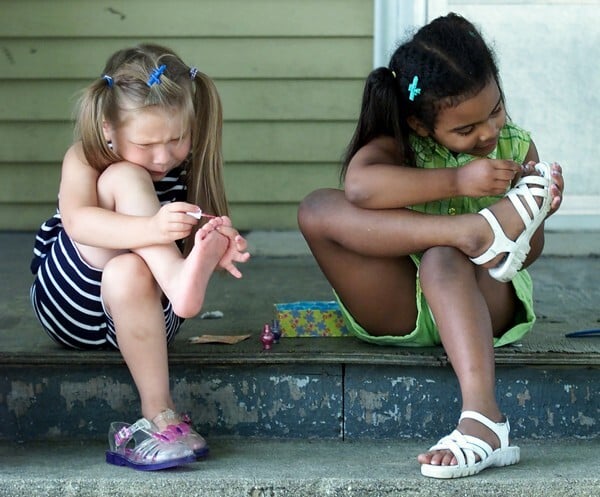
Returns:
(66,294)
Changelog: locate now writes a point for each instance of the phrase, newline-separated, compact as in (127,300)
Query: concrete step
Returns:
(275,468)
(331,388)
(320,392)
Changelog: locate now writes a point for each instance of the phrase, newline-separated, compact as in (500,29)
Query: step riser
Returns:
(312,401)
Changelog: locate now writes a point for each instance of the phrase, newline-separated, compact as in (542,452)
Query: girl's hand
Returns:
(172,223)
(557,187)
(236,251)
(487,177)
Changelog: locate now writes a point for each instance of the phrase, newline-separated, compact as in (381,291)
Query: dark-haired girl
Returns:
(443,206)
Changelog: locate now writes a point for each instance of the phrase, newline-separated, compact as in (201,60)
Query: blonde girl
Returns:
(125,258)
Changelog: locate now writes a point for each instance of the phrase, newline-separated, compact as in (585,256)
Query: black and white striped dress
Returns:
(66,291)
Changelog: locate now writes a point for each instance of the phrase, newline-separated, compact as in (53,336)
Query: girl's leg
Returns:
(133,298)
(353,248)
(363,253)
(468,306)
(128,189)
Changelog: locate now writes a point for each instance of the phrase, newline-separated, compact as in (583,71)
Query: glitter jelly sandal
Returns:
(181,428)
(140,446)
(465,448)
(522,196)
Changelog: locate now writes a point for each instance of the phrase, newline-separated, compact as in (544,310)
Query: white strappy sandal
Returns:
(525,191)
(465,448)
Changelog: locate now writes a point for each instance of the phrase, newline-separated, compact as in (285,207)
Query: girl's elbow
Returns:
(356,193)
(72,227)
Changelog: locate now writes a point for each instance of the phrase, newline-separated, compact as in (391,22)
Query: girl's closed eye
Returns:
(465,131)
(497,110)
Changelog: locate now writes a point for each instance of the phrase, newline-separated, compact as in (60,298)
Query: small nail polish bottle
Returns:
(267,337)
(276,330)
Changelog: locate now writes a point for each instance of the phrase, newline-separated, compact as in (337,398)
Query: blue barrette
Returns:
(154,78)
(193,72)
(413,89)
(108,79)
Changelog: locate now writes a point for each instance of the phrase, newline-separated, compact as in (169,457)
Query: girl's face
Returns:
(473,126)
(152,138)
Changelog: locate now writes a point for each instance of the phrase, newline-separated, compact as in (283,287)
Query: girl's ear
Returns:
(107,130)
(417,126)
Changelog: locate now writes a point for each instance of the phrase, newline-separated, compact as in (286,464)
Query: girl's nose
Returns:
(161,155)
(488,130)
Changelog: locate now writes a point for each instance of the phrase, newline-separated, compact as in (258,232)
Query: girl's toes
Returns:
(425,458)
(447,460)
(437,458)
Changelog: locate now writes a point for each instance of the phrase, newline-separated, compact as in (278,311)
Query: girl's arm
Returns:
(375,180)
(87,223)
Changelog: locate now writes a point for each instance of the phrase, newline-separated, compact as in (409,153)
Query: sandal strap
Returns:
(523,193)
(168,416)
(464,448)
(501,430)
(123,435)
(501,242)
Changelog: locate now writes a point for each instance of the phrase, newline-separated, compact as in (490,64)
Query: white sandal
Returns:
(465,448)
(517,250)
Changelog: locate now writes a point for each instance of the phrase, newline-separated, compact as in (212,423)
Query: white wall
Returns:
(548,53)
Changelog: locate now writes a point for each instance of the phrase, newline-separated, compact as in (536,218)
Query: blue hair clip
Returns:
(193,72)
(109,80)
(154,78)
(413,89)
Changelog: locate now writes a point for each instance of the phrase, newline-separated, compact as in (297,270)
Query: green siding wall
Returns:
(290,73)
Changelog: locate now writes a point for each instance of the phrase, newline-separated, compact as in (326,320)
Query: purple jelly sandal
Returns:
(181,428)
(140,446)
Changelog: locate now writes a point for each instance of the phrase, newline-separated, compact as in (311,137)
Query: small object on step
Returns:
(584,333)
(227,339)
(276,330)
(267,337)
(211,315)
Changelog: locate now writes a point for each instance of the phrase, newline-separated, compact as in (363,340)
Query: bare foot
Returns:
(466,427)
(193,274)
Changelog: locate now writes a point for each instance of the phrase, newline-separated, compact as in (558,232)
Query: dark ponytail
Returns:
(379,114)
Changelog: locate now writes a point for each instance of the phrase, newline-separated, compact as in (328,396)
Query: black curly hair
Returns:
(452,63)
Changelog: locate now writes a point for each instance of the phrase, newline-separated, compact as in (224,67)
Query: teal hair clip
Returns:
(154,78)
(413,89)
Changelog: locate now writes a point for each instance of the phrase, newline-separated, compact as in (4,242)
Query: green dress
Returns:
(513,144)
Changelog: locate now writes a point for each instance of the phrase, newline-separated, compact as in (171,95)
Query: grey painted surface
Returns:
(388,402)
(274,401)
(79,402)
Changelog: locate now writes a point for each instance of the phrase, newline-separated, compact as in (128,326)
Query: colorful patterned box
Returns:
(310,319)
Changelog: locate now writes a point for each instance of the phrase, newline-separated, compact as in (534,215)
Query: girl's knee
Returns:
(313,207)
(442,263)
(127,277)
(119,174)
